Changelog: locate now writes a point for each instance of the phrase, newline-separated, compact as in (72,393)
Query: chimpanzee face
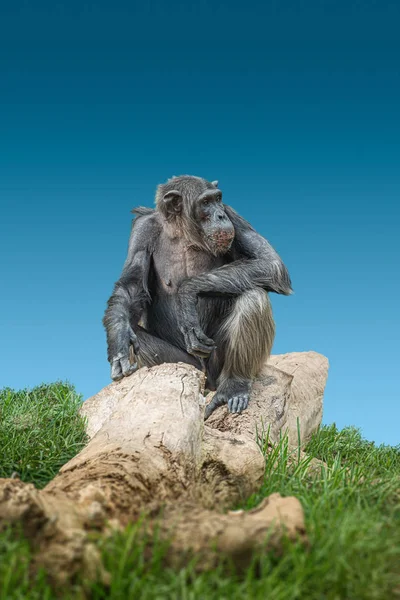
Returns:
(216,228)
(198,205)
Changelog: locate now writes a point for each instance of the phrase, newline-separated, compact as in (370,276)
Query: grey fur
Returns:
(249,333)
(194,288)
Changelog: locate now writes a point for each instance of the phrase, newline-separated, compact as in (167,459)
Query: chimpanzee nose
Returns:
(221,216)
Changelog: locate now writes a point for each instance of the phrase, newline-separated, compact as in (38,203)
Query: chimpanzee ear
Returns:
(173,202)
(214,183)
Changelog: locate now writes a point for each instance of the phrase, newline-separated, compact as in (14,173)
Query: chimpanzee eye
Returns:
(205,202)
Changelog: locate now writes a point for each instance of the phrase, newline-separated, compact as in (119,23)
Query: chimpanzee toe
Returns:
(238,403)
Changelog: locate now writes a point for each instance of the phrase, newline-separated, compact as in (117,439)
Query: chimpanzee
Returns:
(194,288)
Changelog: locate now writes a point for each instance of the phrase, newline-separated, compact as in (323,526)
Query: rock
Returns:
(98,408)
(268,407)
(310,374)
(290,386)
(150,454)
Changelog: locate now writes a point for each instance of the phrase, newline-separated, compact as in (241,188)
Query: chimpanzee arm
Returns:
(129,298)
(255,264)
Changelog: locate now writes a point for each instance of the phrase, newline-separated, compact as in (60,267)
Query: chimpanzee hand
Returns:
(122,362)
(196,341)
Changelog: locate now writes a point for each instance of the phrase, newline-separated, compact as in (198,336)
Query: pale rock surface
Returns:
(310,374)
(268,407)
(98,408)
(290,386)
(150,454)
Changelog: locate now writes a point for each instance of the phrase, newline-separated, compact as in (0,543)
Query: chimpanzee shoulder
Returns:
(146,228)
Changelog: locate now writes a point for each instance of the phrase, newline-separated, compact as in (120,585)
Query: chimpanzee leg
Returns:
(244,342)
(155,351)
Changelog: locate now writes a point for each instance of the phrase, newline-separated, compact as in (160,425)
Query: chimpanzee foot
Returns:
(233,392)
(238,403)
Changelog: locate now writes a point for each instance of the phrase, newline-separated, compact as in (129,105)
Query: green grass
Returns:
(352,509)
(40,430)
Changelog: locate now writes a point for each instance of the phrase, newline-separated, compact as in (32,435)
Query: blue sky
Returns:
(292,106)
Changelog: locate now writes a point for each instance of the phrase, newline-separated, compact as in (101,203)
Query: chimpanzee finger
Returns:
(243,403)
(135,342)
(132,356)
(197,348)
(209,410)
(216,402)
(233,404)
(203,338)
(116,371)
(197,351)
(238,403)
(127,368)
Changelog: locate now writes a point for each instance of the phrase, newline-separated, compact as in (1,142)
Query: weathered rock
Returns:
(310,374)
(150,453)
(290,386)
(231,469)
(98,408)
(268,407)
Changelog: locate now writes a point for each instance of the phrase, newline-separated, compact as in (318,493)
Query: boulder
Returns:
(151,454)
(289,390)
(310,373)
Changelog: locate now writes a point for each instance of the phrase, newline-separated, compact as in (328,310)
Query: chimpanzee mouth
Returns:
(221,240)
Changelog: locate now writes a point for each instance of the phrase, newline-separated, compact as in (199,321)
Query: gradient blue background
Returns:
(293,106)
